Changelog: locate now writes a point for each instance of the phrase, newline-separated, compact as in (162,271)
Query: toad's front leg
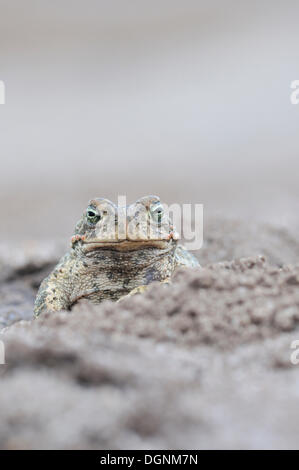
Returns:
(54,292)
(51,297)
(141,289)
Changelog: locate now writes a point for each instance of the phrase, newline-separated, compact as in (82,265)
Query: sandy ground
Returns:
(203,363)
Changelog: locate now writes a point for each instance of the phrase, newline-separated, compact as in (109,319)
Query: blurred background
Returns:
(189,100)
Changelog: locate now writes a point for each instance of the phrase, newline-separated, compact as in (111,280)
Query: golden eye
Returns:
(157,212)
(92,216)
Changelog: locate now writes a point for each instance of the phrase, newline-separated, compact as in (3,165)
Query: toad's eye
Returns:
(92,216)
(157,212)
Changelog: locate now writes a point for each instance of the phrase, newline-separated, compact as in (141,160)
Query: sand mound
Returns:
(202,363)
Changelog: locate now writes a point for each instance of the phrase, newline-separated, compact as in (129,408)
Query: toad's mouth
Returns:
(126,245)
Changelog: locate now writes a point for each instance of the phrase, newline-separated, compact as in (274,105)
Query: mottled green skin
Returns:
(113,270)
